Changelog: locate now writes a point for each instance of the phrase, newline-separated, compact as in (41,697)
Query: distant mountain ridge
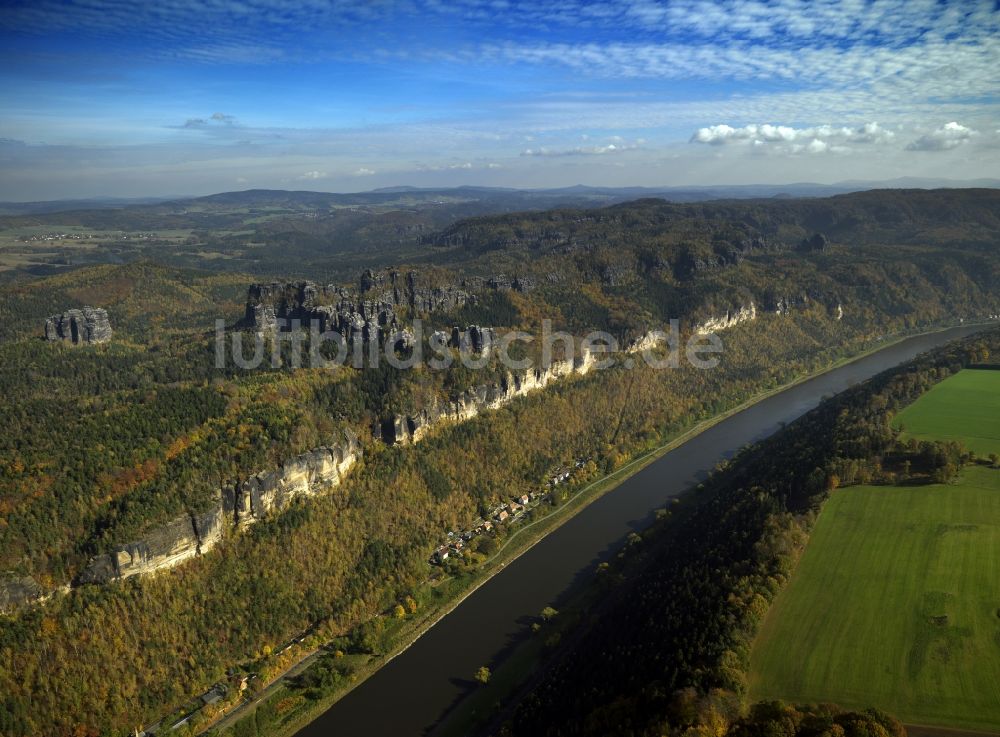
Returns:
(578,194)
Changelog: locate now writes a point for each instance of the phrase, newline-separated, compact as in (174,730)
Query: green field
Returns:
(963,407)
(896,601)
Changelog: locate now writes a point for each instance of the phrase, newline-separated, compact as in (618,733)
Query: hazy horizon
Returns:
(835,187)
(109,99)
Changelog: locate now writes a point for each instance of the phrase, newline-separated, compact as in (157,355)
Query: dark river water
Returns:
(413,691)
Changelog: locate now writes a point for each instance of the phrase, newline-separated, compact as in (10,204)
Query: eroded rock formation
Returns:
(238,505)
(16,591)
(368,312)
(412,427)
(727,320)
(85,325)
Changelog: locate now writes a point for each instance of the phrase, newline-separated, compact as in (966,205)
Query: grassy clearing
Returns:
(896,601)
(964,407)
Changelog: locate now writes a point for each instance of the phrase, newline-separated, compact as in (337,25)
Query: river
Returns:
(414,690)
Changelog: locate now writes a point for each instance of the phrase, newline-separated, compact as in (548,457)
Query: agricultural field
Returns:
(964,407)
(896,600)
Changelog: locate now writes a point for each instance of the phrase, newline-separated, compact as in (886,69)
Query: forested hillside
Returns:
(106,443)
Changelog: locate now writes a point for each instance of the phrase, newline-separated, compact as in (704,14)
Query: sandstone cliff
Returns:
(368,311)
(238,505)
(727,320)
(412,427)
(86,325)
(243,503)
(409,428)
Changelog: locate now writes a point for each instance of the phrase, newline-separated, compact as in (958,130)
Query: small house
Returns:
(213,695)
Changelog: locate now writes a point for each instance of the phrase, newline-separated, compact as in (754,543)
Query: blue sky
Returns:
(101,97)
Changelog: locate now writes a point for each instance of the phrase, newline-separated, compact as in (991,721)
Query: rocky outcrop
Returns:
(727,320)
(165,547)
(693,260)
(815,242)
(522,283)
(418,292)
(209,528)
(17,591)
(782,305)
(238,505)
(498,283)
(86,325)
(329,307)
(367,312)
(270,492)
(473,339)
(410,428)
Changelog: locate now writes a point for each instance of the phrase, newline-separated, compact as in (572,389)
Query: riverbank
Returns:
(456,591)
(590,683)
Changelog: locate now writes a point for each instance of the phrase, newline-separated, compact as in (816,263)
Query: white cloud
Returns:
(363,172)
(313,175)
(948,136)
(457,166)
(610,148)
(816,139)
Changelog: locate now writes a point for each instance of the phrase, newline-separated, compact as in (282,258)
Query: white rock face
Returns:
(165,547)
(728,320)
(263,494)
(406,429)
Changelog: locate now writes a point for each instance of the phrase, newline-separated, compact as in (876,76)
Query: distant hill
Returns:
(498,197)
(99,203)
(321,234)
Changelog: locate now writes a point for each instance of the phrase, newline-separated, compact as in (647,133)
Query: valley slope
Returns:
(109,445)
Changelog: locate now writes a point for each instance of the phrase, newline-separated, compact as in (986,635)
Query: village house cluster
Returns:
(506,513)
(84,237)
